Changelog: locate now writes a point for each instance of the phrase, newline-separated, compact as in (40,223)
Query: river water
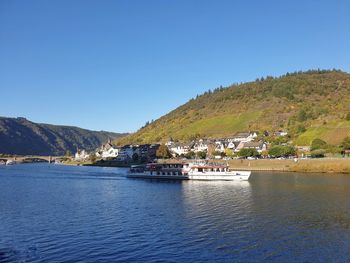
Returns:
(56,213)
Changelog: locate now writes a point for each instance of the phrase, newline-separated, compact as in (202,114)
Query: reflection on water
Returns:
(54,213)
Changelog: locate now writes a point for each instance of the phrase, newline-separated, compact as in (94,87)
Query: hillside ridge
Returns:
(307,104)
(23,137)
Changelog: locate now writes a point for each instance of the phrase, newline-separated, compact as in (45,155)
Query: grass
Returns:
(312,133)
(336,165)
(333,133)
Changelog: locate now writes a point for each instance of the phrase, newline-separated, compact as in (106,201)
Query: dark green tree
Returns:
(302,116)
(190,155)
(348,116)
(345,145)
(201,155)
(248,152)
(301,129)
(319,153)
(318,144)
(135,157)
(281,151)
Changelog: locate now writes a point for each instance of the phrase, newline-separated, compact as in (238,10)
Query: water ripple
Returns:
(91,214)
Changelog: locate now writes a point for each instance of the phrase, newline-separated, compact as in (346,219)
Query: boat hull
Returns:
(224,176)
(158,177)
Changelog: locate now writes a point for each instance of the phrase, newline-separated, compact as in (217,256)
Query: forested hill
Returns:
(23,137)
(309,105)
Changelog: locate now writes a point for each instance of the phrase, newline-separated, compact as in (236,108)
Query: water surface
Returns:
(54,213)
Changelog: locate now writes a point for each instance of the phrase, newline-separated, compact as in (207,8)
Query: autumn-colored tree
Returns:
(163,152)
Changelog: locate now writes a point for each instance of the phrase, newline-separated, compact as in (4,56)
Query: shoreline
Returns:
(322,165)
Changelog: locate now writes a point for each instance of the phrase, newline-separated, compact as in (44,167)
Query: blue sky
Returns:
(113,65)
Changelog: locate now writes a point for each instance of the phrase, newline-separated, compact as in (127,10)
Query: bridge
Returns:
(32,159)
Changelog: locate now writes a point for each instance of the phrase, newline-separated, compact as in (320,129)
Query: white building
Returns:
(201,146)
(232,145)
(81,155)
(107,150)
(111,153)
(259,146)
(127,152)
(220,146)
(244,137)
(281,133)
(179,149)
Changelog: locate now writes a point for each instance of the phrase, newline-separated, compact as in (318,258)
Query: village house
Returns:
(259,146)
(280,133)
(108,150)
(201,145)
(244,137)
(232,145)
(178,149)
(143,152)
(169,143)
(81,155)
(127,152)
(148,151)
(220,145)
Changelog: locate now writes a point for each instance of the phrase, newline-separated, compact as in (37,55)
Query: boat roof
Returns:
(166,164)
(209,166)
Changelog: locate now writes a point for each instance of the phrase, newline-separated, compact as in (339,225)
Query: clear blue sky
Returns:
(113,65)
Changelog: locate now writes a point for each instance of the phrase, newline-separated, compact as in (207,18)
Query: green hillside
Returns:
(308,105)
(23,137)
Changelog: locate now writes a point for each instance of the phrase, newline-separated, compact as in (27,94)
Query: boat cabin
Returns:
(209,168)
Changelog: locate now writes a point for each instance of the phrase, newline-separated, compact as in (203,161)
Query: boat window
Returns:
(163,173)
(185,173)
(200,169)
(168,173)
(174,173)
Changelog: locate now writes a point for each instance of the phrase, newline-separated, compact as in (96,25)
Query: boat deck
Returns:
(164,177)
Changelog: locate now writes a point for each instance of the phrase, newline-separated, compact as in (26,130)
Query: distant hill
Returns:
(23,137)
(308,105)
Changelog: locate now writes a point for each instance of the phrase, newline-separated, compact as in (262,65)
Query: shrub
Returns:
(319,153)
(281,151)
(248,152)
(302,116)
(348,116)
(345,145)
(301,129)
(318,144)
(190,155)
(201,155)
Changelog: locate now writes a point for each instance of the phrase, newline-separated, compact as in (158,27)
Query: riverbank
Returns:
(323,165)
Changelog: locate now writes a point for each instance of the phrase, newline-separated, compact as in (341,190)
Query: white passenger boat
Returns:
(187,171)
